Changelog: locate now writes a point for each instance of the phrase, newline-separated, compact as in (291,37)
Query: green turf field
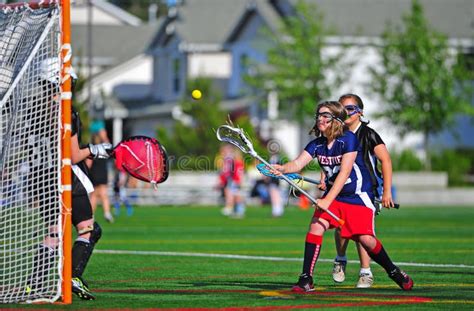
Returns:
(172,257)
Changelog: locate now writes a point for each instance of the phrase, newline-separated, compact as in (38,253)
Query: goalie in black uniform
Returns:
(88,231)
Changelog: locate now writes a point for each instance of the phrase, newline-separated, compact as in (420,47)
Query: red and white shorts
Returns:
(359,219)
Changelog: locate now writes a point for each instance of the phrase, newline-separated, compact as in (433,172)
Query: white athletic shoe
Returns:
(339,271)
(227,211)
(109,217)
(365,280)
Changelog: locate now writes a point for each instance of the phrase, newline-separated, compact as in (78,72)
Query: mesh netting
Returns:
(30,205)
(234,136)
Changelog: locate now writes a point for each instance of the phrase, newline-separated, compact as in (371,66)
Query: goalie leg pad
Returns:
(82,250)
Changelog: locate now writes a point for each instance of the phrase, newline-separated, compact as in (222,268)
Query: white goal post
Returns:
(35,123)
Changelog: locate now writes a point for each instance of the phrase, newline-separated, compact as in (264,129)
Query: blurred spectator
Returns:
(231,174)
(259,187)
(99,171)
(120,193)
(268,190)
(274,190)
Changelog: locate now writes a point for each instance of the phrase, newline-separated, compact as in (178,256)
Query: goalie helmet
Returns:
(49,70)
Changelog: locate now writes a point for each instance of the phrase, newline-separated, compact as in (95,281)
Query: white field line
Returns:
(244,257)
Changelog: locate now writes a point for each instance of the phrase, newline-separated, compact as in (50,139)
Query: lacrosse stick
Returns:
(262,168)
(236,137)
(265,170)
(142,157)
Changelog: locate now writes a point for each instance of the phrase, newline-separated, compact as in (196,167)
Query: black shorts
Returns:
(98,172)
(81,209)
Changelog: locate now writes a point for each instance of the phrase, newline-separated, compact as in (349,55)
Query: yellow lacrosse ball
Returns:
(196,94)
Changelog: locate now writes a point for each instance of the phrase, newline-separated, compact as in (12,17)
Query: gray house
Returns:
(215,39)
(186,47)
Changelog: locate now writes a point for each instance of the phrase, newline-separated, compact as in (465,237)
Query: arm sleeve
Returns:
(351,143)
(373,140)
(75,122)
(311,147)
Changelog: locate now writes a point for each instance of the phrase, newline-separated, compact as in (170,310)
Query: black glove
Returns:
(100,151)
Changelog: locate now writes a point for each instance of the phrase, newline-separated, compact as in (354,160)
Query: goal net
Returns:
(30,153)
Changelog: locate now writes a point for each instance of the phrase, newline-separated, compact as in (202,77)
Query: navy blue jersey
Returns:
(358,187)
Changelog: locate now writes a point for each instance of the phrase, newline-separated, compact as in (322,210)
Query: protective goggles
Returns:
(352,110)
(326,116)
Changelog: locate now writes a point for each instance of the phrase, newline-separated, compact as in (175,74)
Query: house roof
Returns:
(201,22)
(265,9)
(454,18)
(103,12)
(111,45)
(211,23)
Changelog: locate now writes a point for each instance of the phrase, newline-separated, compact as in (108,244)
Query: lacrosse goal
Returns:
(35,198)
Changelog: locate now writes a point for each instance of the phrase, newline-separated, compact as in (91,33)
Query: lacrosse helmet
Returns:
(49,70)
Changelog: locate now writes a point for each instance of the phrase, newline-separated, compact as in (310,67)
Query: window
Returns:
(244,63)
(176,76)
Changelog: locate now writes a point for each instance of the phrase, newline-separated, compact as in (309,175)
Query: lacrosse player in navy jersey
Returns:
(373,150)
(348,195)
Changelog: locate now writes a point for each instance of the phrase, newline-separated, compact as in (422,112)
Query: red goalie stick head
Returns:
(143,158)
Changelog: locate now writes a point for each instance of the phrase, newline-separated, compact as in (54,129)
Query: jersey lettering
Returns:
(325,160)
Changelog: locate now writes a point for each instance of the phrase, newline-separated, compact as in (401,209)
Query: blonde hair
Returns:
(337,127)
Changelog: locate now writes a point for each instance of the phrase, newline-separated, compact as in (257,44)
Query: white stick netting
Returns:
(30,205)
(236,137)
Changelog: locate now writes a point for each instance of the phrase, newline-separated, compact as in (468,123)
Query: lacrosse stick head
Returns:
(236,137)
(144,158)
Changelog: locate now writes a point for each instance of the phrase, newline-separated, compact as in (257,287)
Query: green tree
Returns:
(422,84)
(297,68)
(193,143)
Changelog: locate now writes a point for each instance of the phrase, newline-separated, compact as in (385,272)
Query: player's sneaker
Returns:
(33,290)
(227,211)
(365,280)
(305,284)
(108,216)
(79,287)
(339,271)
(402,279)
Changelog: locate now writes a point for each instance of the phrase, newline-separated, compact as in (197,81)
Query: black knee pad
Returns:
(96,233)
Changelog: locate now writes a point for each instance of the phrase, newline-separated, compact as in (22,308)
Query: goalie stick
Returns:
(236,137)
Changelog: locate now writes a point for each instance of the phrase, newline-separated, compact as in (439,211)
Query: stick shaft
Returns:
(310,180)
(395,205)
(317,182)
(300,190)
